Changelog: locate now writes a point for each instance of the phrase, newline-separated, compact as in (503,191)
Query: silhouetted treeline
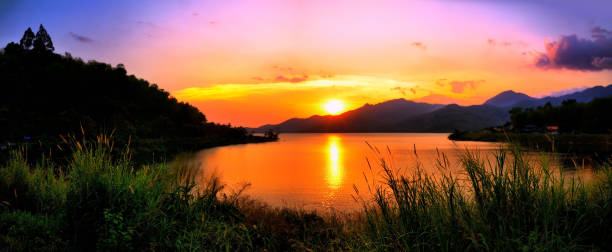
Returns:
(43,95)
(570,117)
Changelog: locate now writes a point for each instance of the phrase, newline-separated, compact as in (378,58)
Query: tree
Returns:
(12,48)
(42,41)
(271,134)
(27,39)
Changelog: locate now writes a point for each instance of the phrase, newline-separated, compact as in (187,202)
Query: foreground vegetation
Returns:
(505,204)
(103,202)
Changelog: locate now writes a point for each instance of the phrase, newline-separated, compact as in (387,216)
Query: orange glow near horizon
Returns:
(256,104)
(264,62)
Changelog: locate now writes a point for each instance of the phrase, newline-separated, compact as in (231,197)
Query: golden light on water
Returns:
(334,168)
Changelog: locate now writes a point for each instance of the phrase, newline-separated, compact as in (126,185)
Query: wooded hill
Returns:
(44,95)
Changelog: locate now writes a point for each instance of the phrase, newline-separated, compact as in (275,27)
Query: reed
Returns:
(508,203)
(102,201)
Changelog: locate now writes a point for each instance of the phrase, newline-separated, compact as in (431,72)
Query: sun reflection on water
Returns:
(334,167)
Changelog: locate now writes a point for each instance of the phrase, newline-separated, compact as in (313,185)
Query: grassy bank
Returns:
(100,201)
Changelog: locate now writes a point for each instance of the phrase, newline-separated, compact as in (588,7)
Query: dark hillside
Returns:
(507,99)
(44,95)
(367,118)
(455,117)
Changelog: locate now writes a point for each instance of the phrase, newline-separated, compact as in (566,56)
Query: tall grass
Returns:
(101,201)
(504,203)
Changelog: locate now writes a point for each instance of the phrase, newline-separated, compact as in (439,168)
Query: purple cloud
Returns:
(80,38)
(571,52)
(147,24)
(600,33)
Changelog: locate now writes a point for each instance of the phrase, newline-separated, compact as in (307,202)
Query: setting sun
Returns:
(334,107)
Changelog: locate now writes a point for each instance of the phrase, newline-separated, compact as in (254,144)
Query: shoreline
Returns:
(597,145)
(97,202)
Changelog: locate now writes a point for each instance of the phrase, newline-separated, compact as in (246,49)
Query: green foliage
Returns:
(505,204)
(571,116)
(25,231)
(100,202)
(97,202)
(114,234)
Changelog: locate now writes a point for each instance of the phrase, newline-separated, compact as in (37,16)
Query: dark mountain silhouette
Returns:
(406,116)
(583,96)
(507,99)
(454,117)
(368,118)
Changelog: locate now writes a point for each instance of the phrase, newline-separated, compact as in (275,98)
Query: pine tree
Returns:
(27,39)
(42,41)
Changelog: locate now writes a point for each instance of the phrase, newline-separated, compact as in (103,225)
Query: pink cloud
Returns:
(459,86)
(293,79)
(493,42)
(419,45)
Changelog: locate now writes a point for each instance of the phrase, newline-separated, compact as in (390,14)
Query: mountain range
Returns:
(402,115)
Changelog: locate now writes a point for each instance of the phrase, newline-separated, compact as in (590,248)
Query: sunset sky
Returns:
(255,62)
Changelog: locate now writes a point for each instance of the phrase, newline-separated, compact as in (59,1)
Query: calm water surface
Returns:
(319,170)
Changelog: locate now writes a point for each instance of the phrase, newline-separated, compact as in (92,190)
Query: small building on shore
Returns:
(554,129)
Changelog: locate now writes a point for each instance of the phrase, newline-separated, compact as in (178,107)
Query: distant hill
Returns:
(583,96)
(407,116)
(368,118)
(454,117)
(508,99)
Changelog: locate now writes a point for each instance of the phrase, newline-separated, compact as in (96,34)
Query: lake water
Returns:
(319,170)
